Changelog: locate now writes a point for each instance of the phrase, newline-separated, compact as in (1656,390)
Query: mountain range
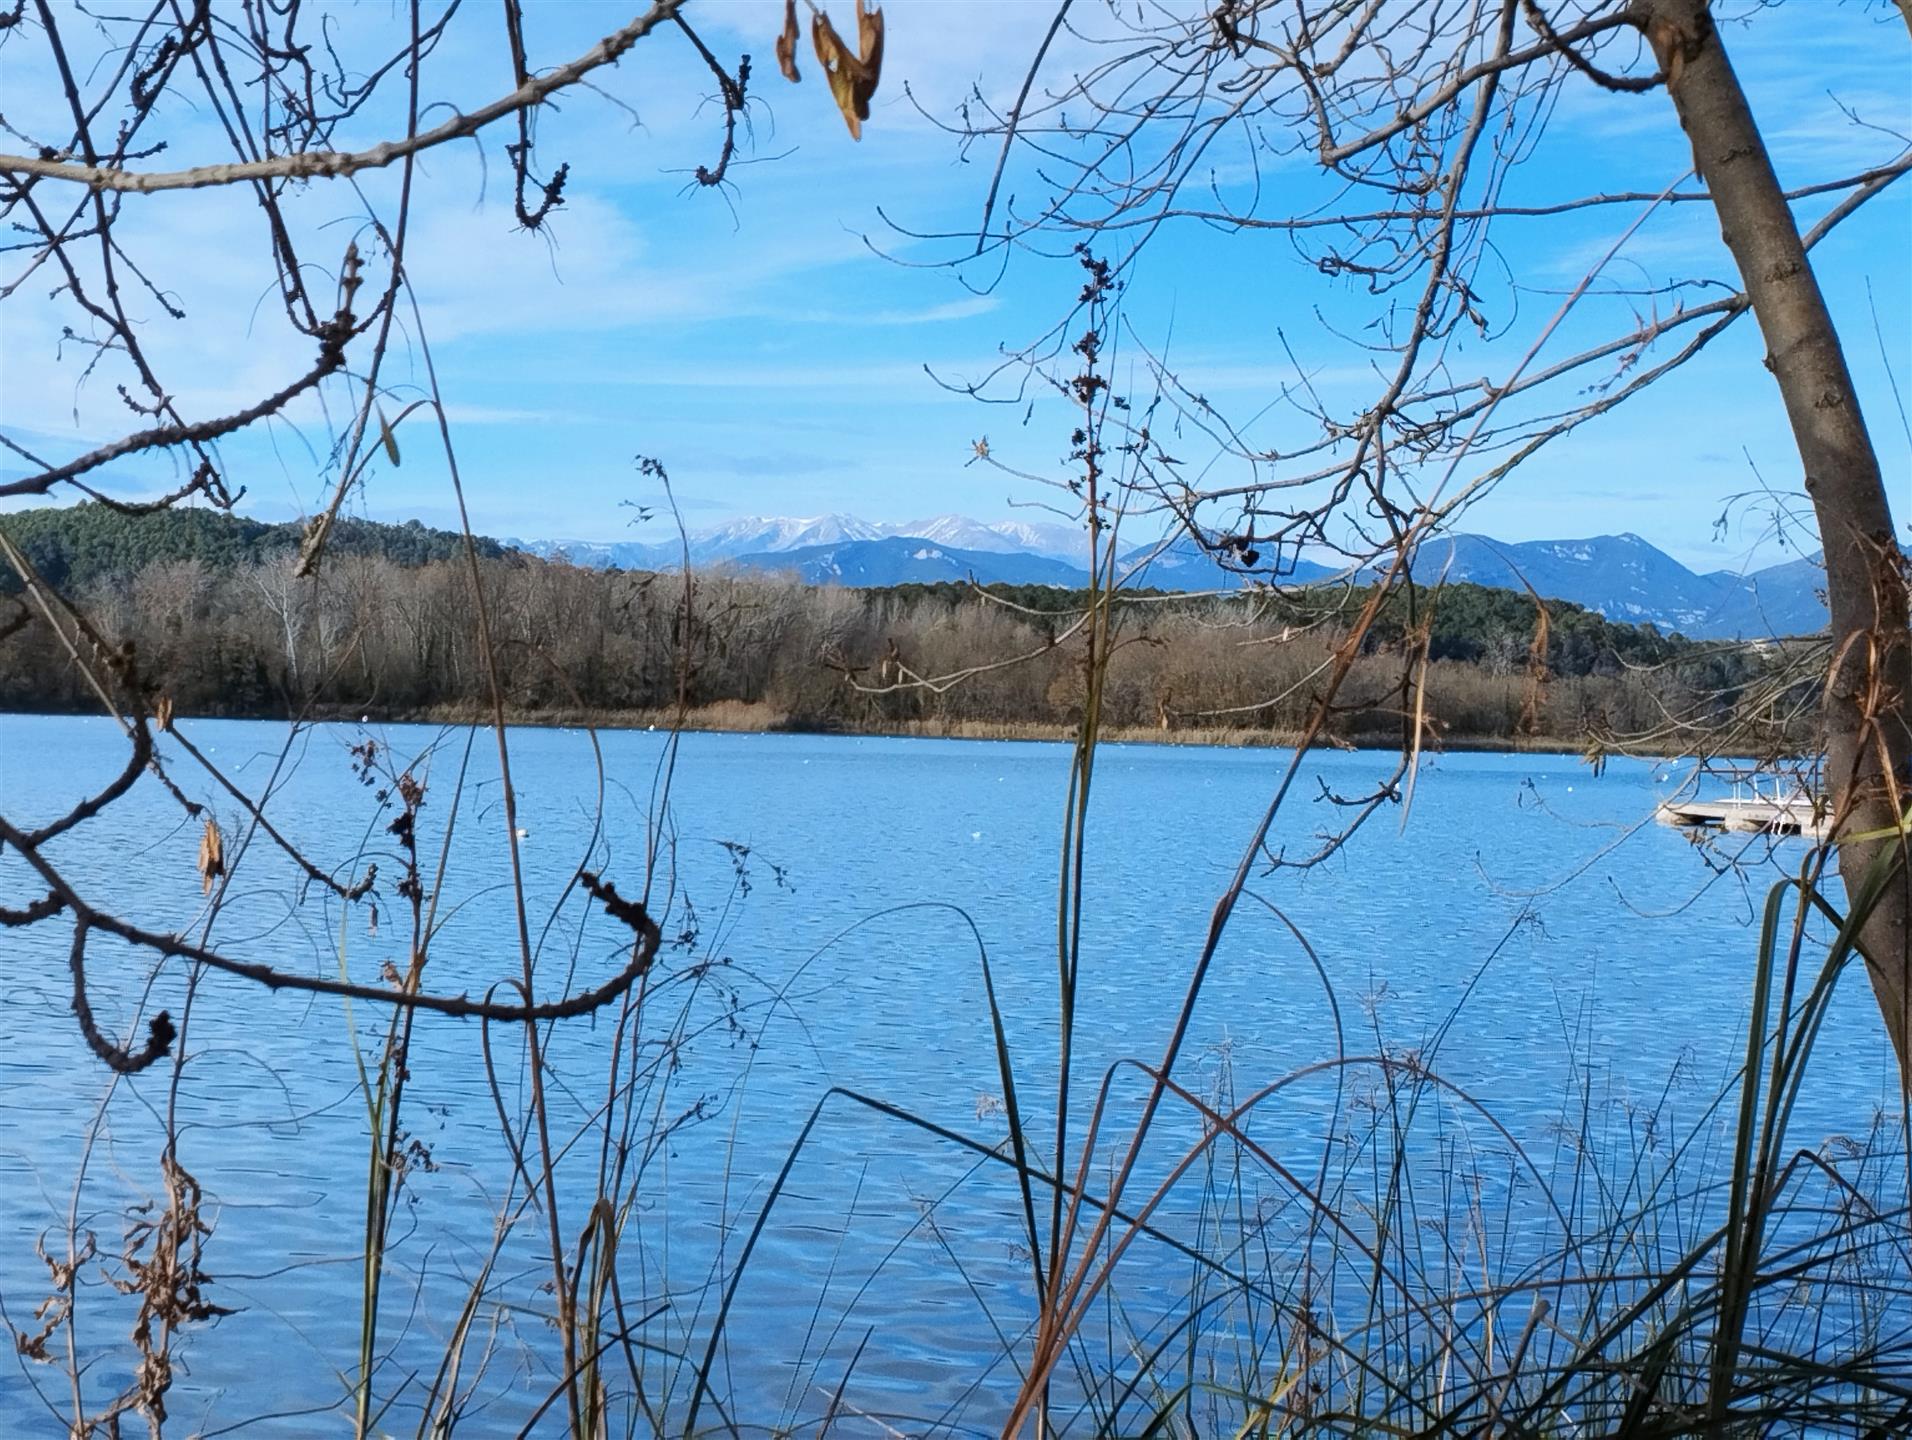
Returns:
(1621,576)
(1626,579)
(755,535)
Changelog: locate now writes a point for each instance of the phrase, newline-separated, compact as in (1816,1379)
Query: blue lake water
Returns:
(1548,949)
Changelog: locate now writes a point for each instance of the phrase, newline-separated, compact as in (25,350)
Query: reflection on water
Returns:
(822,894)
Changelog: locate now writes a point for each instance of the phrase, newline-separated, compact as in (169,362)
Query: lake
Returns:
(1569,965)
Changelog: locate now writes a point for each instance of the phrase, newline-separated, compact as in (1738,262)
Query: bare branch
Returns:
(335,164)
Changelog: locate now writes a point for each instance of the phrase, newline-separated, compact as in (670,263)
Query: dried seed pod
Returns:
(787,43)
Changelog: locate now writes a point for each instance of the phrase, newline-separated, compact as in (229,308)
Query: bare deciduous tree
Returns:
(1419,121)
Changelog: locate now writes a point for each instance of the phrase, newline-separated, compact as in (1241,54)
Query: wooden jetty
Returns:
(1781,811)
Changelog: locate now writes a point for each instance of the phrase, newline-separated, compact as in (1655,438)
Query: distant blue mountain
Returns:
(1787,599)
(1621,576)
(1625,578)
(1181,564)
(908,559)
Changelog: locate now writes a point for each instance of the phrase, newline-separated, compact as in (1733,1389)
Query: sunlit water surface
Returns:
(828,902)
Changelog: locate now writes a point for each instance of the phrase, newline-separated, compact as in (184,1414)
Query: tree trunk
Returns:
(1868,697)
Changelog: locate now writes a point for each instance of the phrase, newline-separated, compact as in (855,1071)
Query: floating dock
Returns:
(1795,814)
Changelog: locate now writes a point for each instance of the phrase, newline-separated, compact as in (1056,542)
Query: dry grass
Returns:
(737,717)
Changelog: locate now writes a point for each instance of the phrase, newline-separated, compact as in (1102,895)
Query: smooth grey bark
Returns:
(1868,696)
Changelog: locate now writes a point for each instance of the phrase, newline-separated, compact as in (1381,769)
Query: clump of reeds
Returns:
(1417,1268)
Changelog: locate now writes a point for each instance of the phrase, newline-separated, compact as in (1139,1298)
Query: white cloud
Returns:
(458,414)
(643,291)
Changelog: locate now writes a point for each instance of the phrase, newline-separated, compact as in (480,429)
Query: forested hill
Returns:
(385,628)
(88,547)
(78,546)
(1468,623)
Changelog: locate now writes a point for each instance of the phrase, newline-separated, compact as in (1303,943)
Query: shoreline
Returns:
(736,718)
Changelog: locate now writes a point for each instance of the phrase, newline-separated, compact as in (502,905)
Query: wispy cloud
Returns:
(967,308)
(781,462)
(750,338)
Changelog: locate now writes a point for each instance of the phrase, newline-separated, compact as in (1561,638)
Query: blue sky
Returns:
(771,343)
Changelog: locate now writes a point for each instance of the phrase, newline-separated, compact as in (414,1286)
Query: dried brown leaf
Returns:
(1537,676)
(853,77)
(787,43)
(315,532)
(869,44)
(163,712)
(212,856)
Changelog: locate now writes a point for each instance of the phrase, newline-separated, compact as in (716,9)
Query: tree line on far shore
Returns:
(221,626)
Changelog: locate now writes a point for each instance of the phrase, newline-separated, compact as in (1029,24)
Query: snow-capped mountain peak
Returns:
(957,530)
(773,533)
(1622,576)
